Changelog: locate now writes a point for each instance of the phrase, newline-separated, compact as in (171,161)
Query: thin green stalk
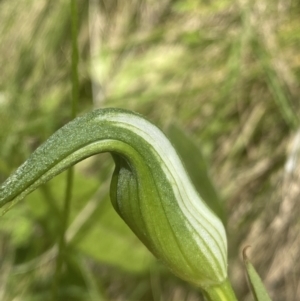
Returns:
(75,58)
(222,292)
(70,173)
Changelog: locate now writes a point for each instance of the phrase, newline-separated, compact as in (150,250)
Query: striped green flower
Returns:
(150,190)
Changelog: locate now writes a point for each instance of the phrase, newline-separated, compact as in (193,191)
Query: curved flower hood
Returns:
(150,189)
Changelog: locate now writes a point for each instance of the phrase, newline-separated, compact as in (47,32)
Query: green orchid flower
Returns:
(150,190)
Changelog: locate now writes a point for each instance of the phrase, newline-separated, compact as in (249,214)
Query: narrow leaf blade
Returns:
(256,285)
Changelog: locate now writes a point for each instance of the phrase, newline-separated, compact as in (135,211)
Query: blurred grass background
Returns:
(226,72)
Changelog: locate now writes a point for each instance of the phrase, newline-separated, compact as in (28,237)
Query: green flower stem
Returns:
(70,172)
(221,292)
(75,58)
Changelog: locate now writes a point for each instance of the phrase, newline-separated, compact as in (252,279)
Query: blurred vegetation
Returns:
(226,72)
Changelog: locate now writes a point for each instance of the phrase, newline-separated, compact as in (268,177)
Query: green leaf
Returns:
(256,285)
(196,166)
(112,242)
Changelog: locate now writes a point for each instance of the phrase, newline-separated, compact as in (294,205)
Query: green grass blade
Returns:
(256,285)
